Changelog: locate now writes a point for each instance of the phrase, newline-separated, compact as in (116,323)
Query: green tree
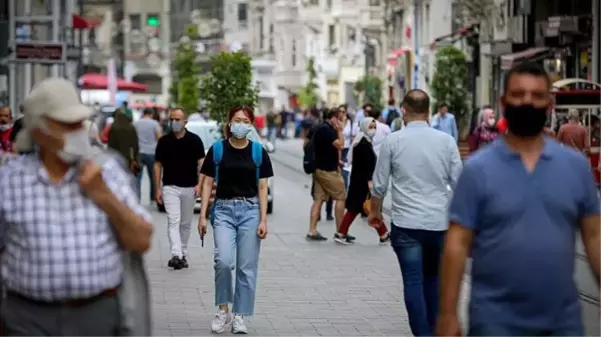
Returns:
(307,96)
(228,84)
(449,82)
(371,87)
(185,74)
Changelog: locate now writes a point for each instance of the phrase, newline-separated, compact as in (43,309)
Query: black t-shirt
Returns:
(179,157)
(237,172)
(326,154)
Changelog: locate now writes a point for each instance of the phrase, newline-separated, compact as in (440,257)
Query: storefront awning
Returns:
(79,22)
(393,56)
(509,60)
(453,37)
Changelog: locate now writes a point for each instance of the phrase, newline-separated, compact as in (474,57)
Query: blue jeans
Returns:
(271,134)
(418,252)
(148,162)
(504,330)
(345,173)
(237,248)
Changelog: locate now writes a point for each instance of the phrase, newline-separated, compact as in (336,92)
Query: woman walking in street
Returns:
(363,159)
(240,169)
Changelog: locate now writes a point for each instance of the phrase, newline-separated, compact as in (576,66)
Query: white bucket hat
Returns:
(54,98)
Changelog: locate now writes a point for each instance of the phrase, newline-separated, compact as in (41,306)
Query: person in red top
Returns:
(5,129)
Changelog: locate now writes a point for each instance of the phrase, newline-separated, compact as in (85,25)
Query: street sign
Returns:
(39,52)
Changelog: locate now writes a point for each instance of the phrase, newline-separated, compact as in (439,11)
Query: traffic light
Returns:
(153,21)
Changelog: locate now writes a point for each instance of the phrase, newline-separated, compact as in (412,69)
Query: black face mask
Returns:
(525,120)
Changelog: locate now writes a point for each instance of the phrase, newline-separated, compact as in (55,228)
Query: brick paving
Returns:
(305,288)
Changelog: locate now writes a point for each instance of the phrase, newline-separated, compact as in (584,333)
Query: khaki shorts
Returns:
(328,184)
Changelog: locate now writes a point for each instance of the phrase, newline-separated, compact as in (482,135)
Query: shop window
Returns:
(135,21)
(455,17)
(261,34)
(293,53)
(242,15)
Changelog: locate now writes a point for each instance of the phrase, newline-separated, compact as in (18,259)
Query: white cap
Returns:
(55,98)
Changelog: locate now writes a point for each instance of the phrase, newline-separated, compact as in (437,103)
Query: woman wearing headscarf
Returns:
(124,139)
(363,160)
(486,132)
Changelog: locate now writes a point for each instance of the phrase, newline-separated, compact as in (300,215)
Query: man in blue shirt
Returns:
(419,164)
(445,121)
(517,207)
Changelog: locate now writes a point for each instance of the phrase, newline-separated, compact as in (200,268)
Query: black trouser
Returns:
(329,203)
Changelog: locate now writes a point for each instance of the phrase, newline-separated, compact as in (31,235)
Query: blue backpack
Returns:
(257,155)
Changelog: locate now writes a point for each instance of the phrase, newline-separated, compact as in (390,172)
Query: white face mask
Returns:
(5,127)
(370,133)
(77,146)
(491,121)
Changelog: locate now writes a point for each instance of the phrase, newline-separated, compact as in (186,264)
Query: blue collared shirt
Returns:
(446,124)
(524,226)
(421,163)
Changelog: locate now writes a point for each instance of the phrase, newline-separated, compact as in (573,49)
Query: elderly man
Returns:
(64,221)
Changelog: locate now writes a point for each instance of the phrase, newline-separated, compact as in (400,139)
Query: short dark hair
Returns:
(527,68)
(417,101)
(148,111)
(331,113)
(375,113)
(442,105)
(487,106)
(367,105)
(391,101)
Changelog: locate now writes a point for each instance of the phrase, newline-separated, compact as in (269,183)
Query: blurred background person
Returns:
(122,138)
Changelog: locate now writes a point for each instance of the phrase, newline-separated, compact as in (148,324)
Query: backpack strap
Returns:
(217,156)
(257,155)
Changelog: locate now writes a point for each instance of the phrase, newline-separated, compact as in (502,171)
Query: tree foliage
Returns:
(185,75)
(370,88)
(449,81)
(228,84)
(307,95)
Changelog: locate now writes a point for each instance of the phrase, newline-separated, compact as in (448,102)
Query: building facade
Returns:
(249,25)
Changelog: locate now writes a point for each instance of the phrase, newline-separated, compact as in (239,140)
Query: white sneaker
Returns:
(221,320)
(238,326)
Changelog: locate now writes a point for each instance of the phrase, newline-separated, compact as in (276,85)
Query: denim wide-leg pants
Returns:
(237,247)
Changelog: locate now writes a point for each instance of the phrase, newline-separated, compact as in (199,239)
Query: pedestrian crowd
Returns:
(514,206)
(73,231)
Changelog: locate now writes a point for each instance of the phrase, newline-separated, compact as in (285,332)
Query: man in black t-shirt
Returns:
(330,202)
(179,156)
(327,144)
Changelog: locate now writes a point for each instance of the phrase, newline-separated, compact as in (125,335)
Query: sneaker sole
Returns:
(222,330)
(239,332)
(342,242)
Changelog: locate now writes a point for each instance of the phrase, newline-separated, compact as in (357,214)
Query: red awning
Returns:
(393,56)
(453,37)
(79,22)
(509,60)
(99,81)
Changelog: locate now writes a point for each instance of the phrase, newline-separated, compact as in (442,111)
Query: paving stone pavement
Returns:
(305,288)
